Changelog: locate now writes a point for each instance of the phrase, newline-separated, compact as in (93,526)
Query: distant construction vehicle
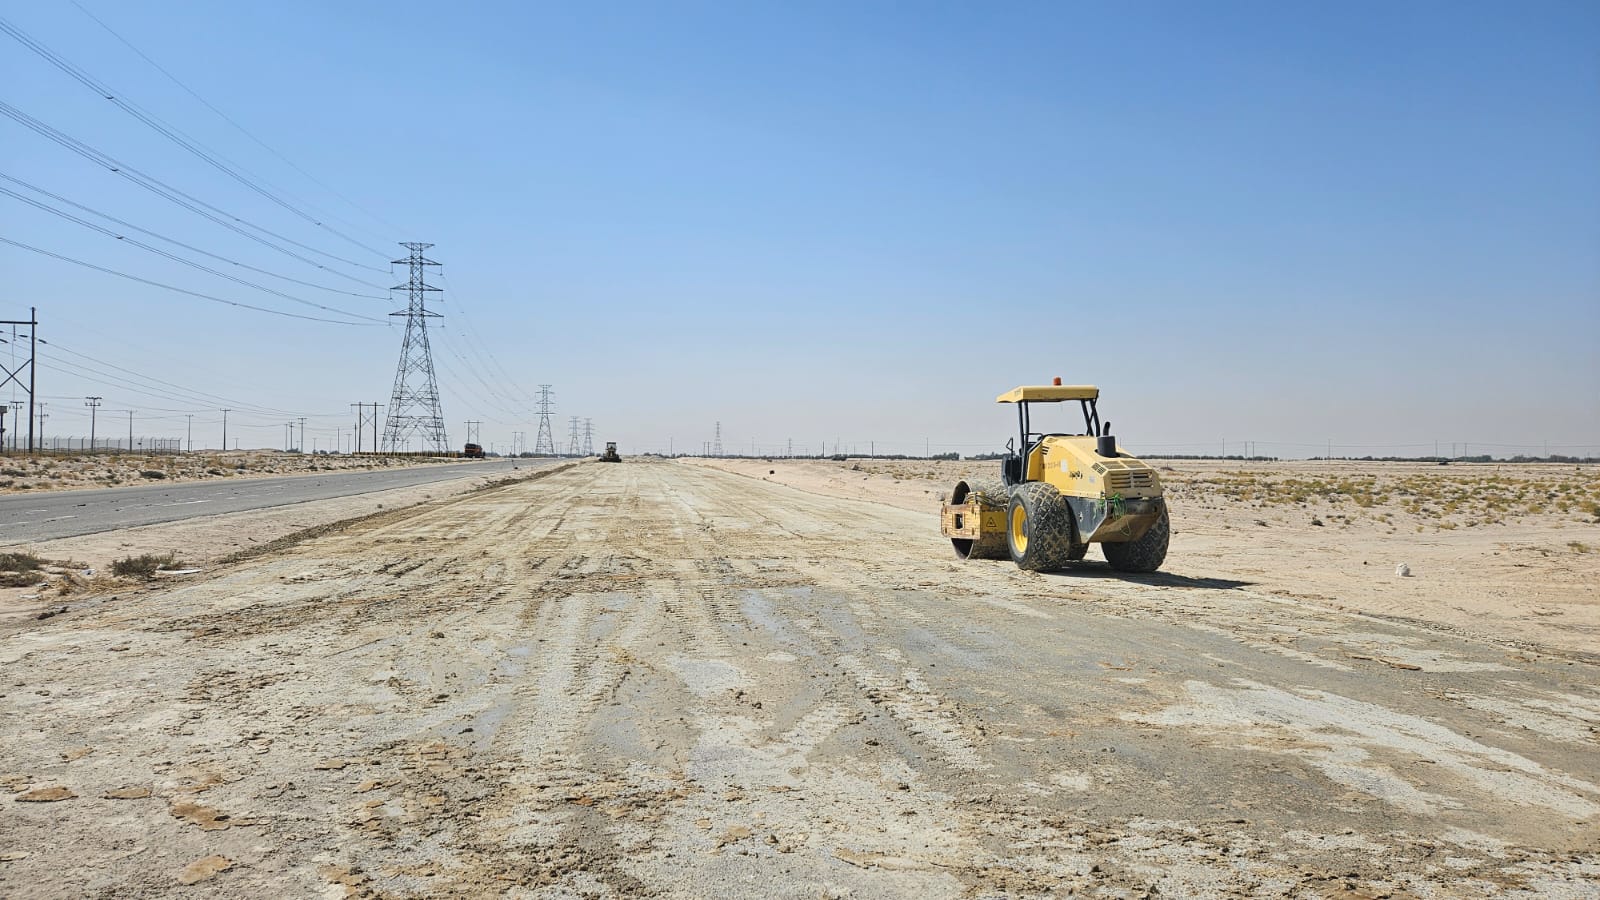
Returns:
(1060,492)
(472,451)
(611,453)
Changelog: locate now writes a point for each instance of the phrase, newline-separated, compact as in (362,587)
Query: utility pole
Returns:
(130,431)
(225,430)
(15,375)
(42,417)
(716,444)
(414,407)
(189,434)
(94,405)
(302,444)
(588,437)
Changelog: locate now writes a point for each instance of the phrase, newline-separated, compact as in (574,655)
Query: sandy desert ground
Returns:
(21,473)
(1498,551)
(741,678)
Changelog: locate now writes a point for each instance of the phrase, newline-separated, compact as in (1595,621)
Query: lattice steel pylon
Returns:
(414,405)
(544,443)
(588,437)
(575,444)
(716,446)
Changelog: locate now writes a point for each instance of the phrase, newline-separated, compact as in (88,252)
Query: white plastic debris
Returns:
(1403,570)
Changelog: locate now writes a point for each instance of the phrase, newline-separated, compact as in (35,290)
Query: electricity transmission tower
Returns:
(588,437)
(414,405)
(716,445)
(544,443)
(576,443)
(472,431)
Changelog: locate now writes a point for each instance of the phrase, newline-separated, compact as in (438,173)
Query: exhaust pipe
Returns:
(1105,444)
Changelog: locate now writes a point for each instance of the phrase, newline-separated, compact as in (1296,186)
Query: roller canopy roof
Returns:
(1049,393)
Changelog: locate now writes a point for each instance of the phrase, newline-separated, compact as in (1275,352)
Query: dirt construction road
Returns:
(655,679)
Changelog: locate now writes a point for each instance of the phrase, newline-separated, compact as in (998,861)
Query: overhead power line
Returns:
(190,247)
(178,259)
(242,130)
(125,379)
(193,204)
(167,131)
(89,265)
(255,408)
(470,335)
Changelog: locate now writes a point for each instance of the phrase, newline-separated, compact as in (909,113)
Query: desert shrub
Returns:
(19,569)
(145,566)
(153,473)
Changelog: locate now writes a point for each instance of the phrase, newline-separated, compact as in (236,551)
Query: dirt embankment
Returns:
(1501,551)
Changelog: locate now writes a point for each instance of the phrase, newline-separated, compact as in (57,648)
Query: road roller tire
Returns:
(1145,554)
(1039,528)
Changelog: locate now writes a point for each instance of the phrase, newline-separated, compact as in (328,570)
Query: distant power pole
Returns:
(188,434)
(301,444)
(362,421)
(15,375)
(544,442)
(574,444)
(130,431)
(414,404)
(94,406)
(472,431)
(716,443)
(588,437)
(225,430)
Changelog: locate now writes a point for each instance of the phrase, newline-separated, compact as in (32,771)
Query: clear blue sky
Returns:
(1375,224)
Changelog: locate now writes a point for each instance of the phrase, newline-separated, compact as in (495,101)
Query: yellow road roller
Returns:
(1059,492)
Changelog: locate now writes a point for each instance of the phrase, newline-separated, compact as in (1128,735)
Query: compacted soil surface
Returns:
(676,680)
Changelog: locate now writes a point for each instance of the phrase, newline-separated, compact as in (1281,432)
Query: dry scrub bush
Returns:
(145,566)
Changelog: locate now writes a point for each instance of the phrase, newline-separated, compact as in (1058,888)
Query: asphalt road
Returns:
(26,518)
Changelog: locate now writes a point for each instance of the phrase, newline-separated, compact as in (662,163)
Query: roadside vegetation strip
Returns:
(378,518)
